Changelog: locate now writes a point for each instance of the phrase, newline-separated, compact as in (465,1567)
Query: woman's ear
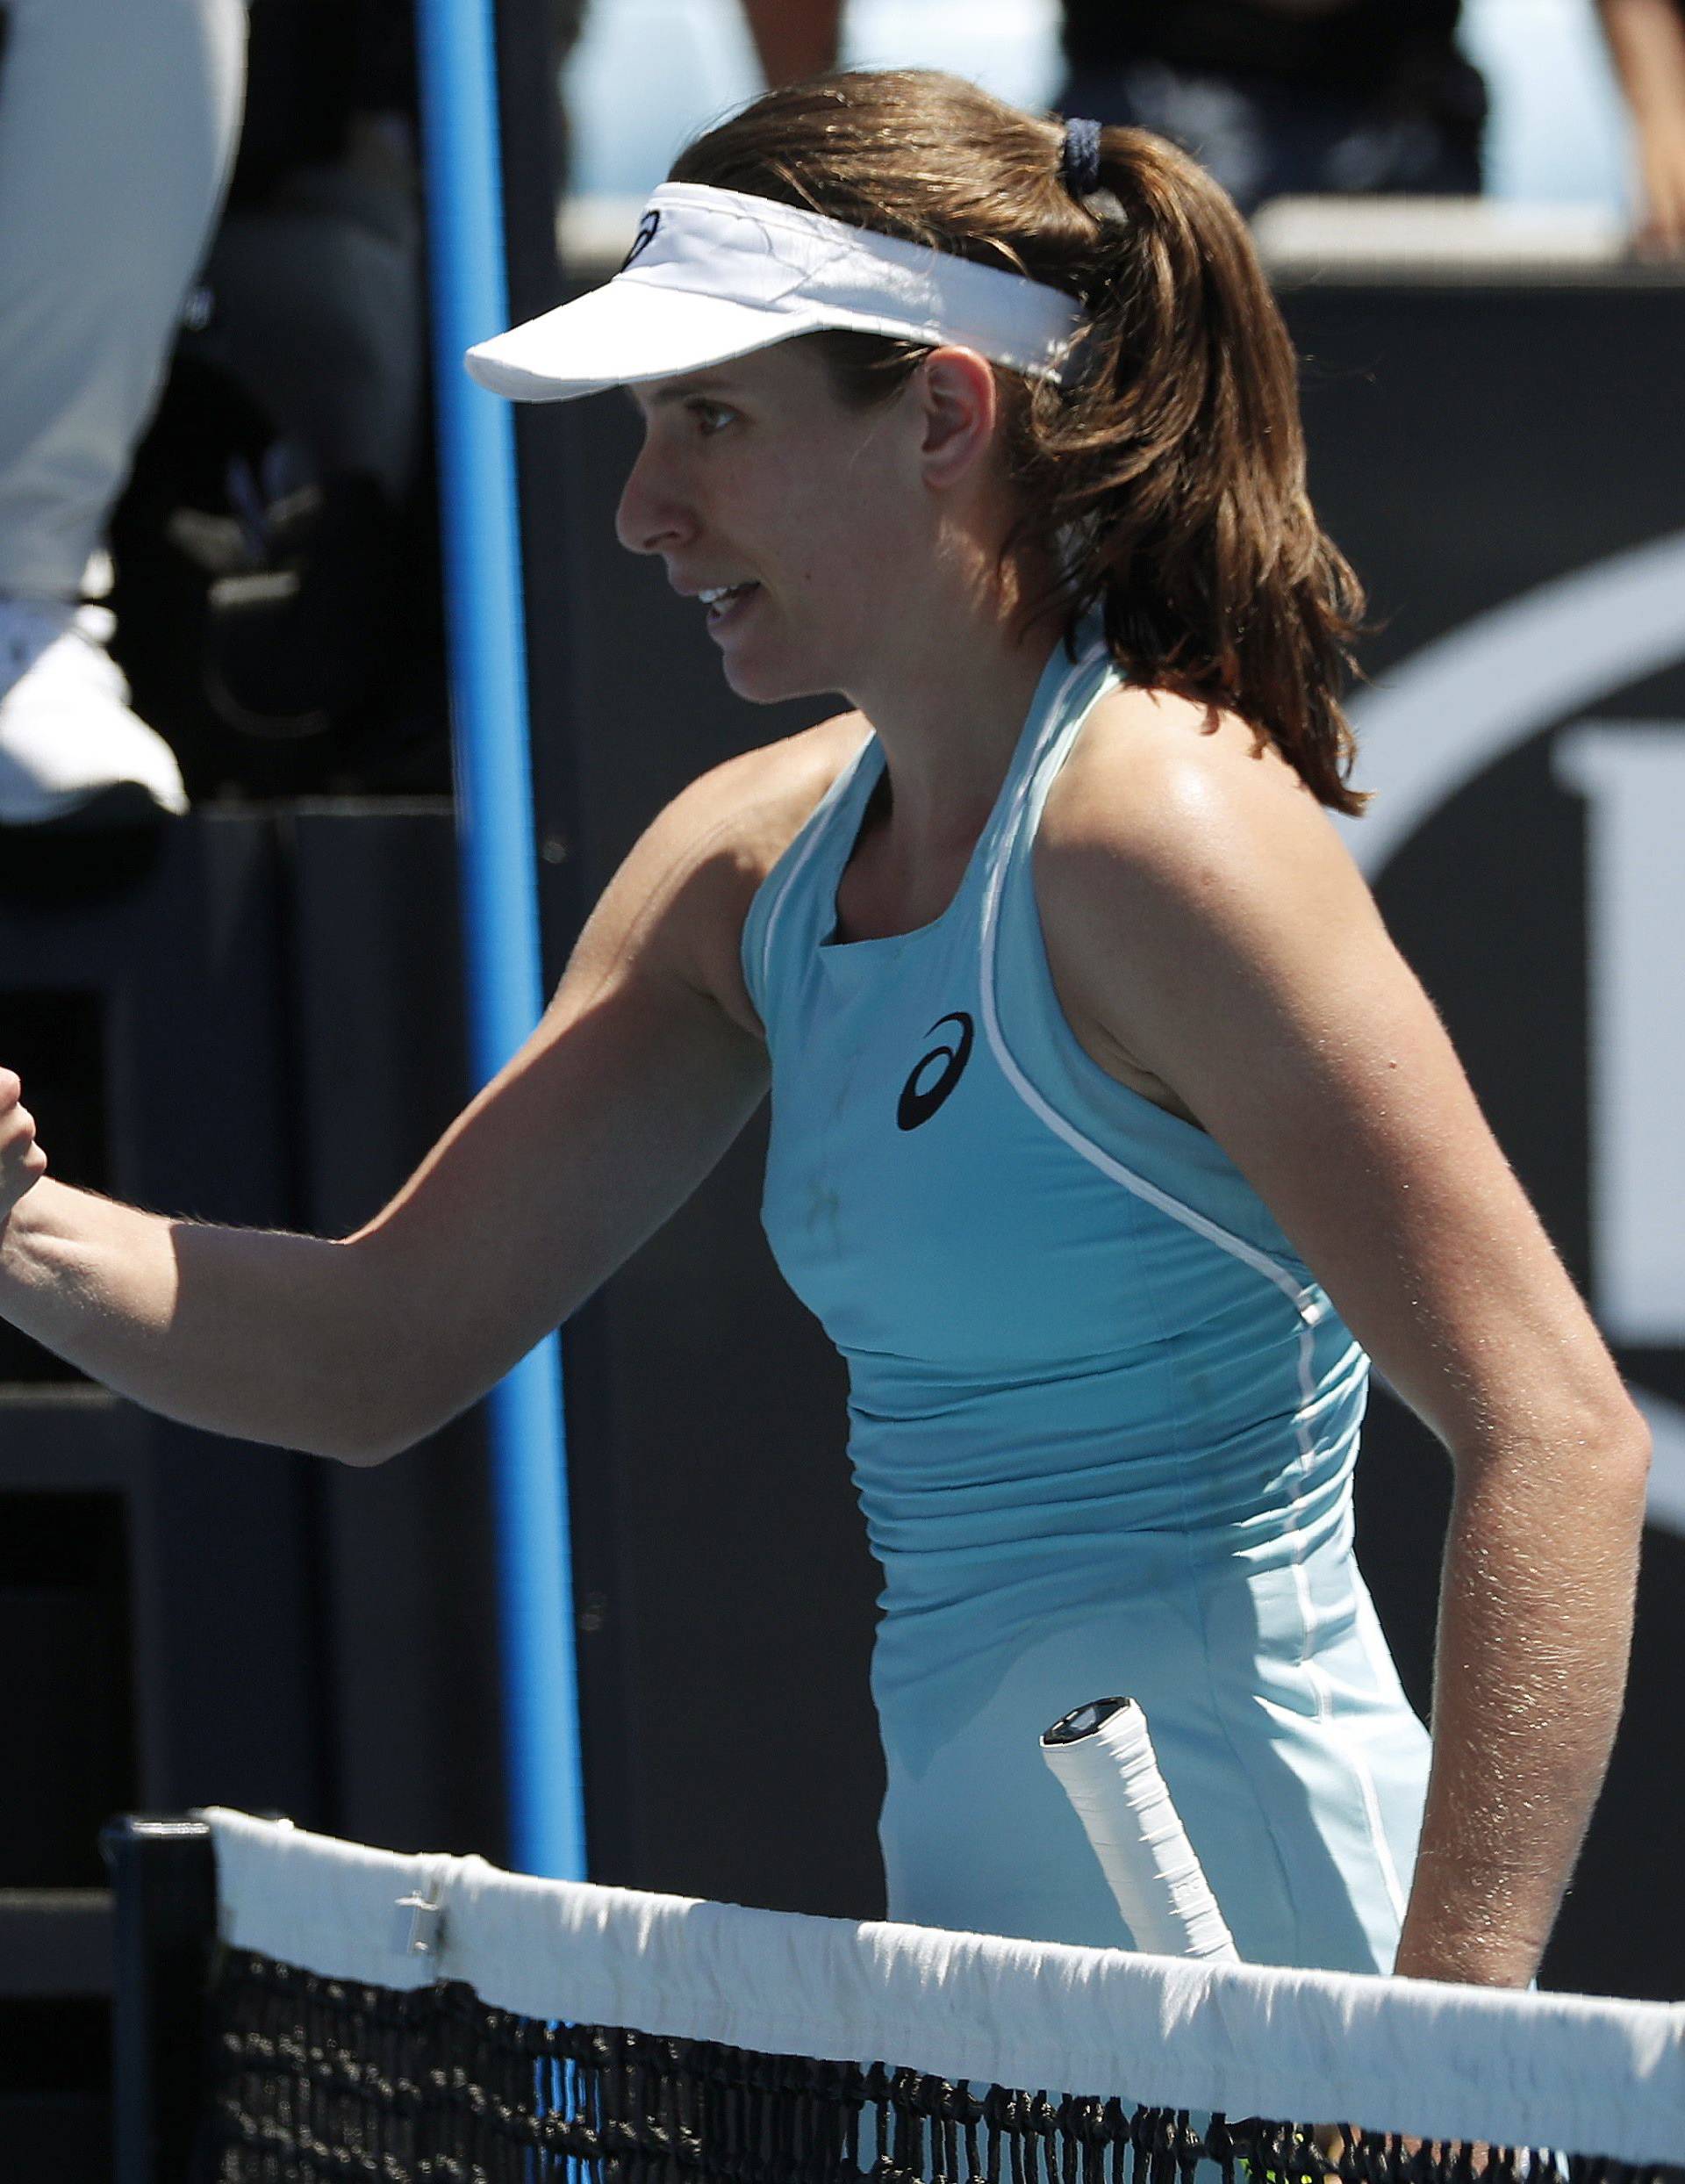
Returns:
(958,409)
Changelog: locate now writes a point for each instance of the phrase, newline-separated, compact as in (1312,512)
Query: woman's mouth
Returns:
(725,603)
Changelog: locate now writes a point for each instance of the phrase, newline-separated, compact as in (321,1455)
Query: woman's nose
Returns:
(652,516)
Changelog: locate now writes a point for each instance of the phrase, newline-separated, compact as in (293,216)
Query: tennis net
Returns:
(388,2017)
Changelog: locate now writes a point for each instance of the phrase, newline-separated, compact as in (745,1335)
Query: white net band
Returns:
(1437,2061)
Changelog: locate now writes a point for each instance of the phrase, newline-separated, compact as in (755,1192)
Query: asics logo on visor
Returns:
(647,229)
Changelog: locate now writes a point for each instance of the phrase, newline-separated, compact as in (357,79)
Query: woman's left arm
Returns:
(1210,934)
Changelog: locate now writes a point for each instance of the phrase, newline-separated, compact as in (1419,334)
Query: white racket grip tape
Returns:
(1112,1779)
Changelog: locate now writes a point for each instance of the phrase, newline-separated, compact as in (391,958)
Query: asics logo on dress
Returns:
(923,1094)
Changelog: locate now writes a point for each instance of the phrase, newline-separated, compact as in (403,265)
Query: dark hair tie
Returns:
(1080,159)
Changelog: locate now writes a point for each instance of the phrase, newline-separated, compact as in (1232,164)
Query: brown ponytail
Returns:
(1171,474)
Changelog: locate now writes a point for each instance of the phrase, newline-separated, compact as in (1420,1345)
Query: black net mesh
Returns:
(315,2078)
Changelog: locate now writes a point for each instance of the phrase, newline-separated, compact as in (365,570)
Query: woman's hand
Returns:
(22,1161)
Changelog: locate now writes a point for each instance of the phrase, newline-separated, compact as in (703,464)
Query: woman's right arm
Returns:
(646,1066)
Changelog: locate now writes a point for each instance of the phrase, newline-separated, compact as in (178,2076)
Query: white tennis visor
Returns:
(715,273)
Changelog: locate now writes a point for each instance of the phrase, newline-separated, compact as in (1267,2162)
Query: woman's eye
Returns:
(711,416)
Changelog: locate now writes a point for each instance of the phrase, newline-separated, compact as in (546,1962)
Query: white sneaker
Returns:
(71,752)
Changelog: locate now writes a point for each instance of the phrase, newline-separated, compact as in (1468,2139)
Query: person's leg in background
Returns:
(118,124)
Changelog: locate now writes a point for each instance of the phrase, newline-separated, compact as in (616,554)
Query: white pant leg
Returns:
(119,120)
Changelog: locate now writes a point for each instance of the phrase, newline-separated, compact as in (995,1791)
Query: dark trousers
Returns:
(1263,137)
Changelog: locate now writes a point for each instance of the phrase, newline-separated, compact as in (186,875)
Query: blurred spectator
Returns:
(1271,96)
(1274,96)
(118,122)
(1647,40)
(276,576)
(1287,97)
(1310,96)
(317,316)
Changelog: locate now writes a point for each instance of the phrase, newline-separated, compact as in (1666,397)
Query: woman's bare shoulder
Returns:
(698,865)
(1178,837)
(1165,800)
(1149,764)
(765,796)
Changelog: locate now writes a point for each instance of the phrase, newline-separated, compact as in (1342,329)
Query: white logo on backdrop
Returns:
(1439,720)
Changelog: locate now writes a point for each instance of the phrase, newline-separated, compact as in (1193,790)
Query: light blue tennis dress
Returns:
(1103,1417)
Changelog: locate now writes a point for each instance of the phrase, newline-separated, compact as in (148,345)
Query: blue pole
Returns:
(506,988)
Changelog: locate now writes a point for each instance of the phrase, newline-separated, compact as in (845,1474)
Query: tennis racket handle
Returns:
(1103,1756)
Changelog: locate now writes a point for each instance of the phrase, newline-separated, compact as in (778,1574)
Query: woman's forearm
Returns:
(267,1337)
(1535,1625)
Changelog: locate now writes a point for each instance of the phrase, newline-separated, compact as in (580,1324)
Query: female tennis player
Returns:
(1110,1136)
